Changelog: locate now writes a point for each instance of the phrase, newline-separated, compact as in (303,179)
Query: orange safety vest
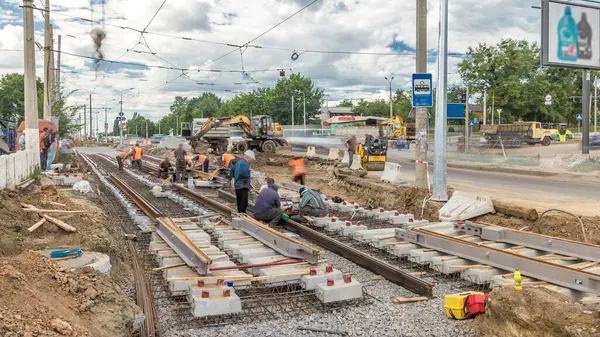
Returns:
(298,167)
(123,155)
(226,159)
(200,160)
(137,153)
(43,137)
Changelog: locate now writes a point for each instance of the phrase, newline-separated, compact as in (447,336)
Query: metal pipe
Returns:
(440,168)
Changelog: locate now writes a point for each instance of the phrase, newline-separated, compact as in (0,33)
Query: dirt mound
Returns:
(534,313)
(14,237)
(40,298)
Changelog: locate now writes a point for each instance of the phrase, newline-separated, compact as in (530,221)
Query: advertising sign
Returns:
(570,35)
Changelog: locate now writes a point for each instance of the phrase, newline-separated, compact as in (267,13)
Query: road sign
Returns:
(455,111)
(579,117)
(122,125)
(471,123)
(422,93)
(121,113)
(118,118)
(123,119)
(548,100)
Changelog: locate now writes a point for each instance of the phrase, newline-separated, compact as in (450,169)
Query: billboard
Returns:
(570,35)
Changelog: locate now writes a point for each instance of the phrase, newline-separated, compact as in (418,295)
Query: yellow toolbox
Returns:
(455,304)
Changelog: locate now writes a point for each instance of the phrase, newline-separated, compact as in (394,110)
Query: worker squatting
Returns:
(268,205)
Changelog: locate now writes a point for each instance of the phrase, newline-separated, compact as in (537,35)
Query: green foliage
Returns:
(513,77)
(36,175)
(12,97)
(137,125)
(381,108)
(346,104)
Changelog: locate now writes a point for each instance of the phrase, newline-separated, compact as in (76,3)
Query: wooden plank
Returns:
(56,203)
(37,210)
(404,300)
(169,266)
(60,223)
(396,243)
(36,226)
(583,265)
(517,211)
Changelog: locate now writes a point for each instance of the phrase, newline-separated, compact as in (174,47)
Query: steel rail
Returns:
(377,266)
(150,210)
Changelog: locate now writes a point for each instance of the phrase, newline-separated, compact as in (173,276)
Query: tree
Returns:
(12,97)
(299,87)
(346,104)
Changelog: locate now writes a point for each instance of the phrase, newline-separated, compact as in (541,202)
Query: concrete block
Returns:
(19,166)
(371,233)
(348,230)
(334,154)
(3,171)
(235,249)
(10,172)
(480,276)
(402,249)
(400,219)
(245,254)
(335,226)
(310,282)
(414,223)
(443,264)
(356,163)
(346,158)
(262,260)
(310,151)
(391,173)
(423,255)
(385,215)
(464,206)
(227,244)
(214,306)
(339,291)
(349,206)
(285,273)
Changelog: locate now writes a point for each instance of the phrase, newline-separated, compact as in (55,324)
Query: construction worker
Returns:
(299,171)
(136,155)
(350,144)
(311,203)
(201,161)
(163,168)
(226,159)
(268,205)
(241,176)
(180,162)
(52,149)
(121,156)
(44,145)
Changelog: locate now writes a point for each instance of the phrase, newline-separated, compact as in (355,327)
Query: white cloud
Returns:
(338,25)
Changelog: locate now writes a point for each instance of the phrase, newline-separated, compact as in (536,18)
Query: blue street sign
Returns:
(471,123)
(579,117)
(422,94)
(455,111)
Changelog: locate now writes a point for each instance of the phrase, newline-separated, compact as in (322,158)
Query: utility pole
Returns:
(440,165)
(467,121)
(146,129)
(304,105)
(159,127)
(84,122)
(585,137)
(292,115)
(421,113)
(91,130)
(390,82)
(595,103)
(47,51)
(493,107)
(32,133)
(484,106)
(57,85)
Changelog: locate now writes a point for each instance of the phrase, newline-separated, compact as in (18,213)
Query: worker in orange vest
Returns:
(200,161)
(226,158)
(299,171)
(44,145)
(136,155)
(121,156)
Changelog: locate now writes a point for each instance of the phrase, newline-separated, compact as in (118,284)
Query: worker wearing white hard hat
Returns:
(241,177)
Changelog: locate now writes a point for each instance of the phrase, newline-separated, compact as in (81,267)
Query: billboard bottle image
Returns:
(567,37)
(584,43)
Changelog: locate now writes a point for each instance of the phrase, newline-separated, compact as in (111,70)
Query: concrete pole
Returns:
(292,115)
(84,121)
(91,130)
(391,101)
(421,113)
(120,122)
(484,106)
(493,107)
(51,67)
(32,133)
(304,107)
(47,40)
(440,169)
(105,123)
(585,137)
(57,85)
(146,129)
(467,121)
(595,103)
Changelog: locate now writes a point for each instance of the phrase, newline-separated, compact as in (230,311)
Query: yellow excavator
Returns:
(259,134)
(395,127)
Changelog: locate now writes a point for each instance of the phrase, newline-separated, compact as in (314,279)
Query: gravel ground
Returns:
(165,205)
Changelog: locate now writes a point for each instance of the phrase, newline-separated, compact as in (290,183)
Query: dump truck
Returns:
(515,134)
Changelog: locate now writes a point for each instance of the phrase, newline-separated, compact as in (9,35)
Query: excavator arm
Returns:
(243,121)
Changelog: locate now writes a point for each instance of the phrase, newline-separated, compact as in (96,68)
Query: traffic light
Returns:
(462,97)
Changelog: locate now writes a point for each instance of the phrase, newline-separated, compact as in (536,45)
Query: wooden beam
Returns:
(37,225)
(404,300)
(169,266)
(60,223)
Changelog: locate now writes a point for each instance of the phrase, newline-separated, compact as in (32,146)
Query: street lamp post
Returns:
(595,104)
(292,115)
(391,102)
(121,116)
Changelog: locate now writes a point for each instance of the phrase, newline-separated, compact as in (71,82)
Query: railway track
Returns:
(266,297)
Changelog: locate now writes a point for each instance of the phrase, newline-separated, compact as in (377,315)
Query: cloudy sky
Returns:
(181,53)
